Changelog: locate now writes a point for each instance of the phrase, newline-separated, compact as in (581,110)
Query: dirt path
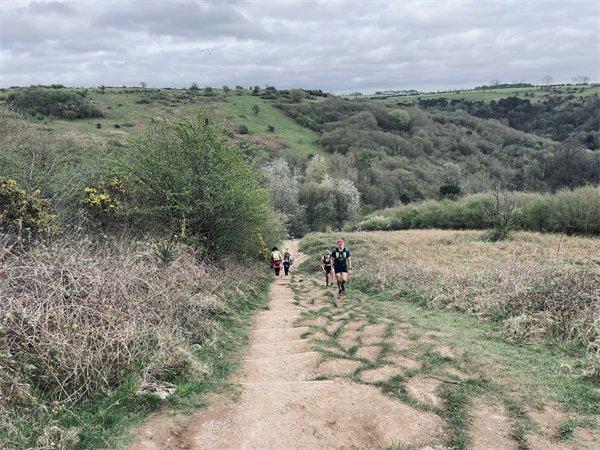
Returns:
(285,400)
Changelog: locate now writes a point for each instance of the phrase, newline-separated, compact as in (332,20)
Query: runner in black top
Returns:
(326,263)
(342,265)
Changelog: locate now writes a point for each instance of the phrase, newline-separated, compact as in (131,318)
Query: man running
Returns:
(326,263)
(342,264)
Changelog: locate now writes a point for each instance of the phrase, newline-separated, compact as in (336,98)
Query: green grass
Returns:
(239,109)
(122,108)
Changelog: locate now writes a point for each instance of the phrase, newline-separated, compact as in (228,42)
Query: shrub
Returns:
(185,177)
(570,211)
(331,203)
(243,129)
(24,212)
(500,216)
(52,102)
(285,186)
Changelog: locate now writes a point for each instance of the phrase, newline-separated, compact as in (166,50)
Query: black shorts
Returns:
(340,269)
(327,269)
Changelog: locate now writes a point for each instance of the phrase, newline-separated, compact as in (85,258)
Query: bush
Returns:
(243,129)
(569,211)
(185,177)
(331,203)
(284,186)
(500,216)
(24,212)
(52,102)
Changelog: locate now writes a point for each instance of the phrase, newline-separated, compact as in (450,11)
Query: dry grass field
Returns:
(498,339)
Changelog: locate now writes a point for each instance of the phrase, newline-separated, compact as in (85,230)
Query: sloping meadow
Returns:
(80,321)
(533,286)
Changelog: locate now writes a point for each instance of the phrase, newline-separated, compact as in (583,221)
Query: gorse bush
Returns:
(52,102)
(574,211)
(185,177)
(58,166)
(23,212)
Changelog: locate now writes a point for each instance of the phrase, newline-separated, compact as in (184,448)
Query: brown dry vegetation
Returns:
(535,286)
(78,319)
(407,296)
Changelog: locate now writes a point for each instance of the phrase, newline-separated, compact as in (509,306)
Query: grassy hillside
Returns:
(390,153)
(535,93)
(128,112)
(238,109)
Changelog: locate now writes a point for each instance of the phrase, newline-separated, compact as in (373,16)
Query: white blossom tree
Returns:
(284,185)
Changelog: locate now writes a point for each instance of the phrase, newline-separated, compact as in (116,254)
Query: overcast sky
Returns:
(340,46)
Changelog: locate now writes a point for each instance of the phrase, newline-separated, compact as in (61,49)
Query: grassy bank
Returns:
(463,367)
(570,211)
(90,337)
(536,287)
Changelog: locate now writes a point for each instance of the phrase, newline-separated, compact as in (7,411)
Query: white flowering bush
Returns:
(284,185)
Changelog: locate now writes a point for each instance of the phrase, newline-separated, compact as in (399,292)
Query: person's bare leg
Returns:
(344,278)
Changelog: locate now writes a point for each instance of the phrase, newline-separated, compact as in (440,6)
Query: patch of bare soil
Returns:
(338,367)
(348,340)
(423,389)
(548,420)
(380,374)
(371,353)
(490,428)
(446,351)
(400,341)
(314,415)
(405,362)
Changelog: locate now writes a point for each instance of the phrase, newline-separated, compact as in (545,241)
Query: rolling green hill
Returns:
(128,112)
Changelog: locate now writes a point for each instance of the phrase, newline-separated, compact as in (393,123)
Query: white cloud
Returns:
(335,46)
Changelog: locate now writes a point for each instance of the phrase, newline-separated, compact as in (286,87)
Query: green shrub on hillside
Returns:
(185,177)
(51,102)
(569,211)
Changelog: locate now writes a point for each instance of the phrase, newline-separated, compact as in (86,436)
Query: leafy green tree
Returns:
(187,178)
(226,90)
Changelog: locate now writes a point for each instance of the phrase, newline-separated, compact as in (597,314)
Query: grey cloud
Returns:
(61,8)
(336,46)
(190,19)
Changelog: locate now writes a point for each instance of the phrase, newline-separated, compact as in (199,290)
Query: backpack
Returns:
(276,255)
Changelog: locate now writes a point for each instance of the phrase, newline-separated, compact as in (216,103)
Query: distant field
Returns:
(493,94)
